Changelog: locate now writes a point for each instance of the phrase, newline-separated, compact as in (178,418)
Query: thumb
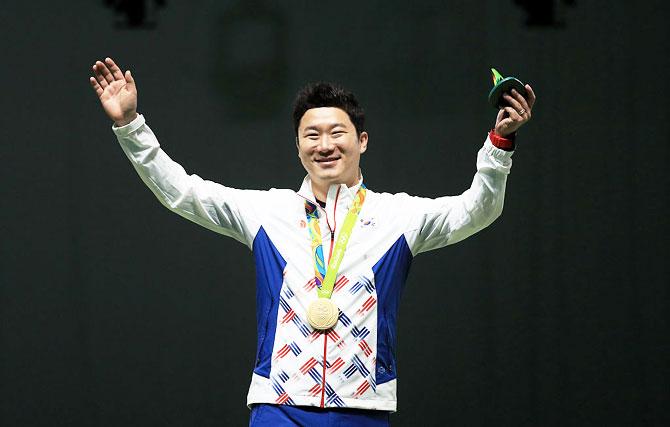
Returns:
(501,113)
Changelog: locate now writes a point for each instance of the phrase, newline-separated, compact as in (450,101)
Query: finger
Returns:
(104,71)
(99,77)
(513,102)
(513,114)
(94,83)
(521,99)
(129,77)
(116,71)
(531,96)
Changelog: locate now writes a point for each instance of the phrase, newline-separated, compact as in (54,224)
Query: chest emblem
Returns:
(367,222)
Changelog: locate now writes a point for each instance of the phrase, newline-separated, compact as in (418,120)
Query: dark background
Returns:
(115,312)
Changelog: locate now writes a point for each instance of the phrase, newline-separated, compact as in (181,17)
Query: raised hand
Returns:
(117,92)
(516,113)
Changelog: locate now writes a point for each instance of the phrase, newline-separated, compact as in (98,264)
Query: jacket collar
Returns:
(336,192)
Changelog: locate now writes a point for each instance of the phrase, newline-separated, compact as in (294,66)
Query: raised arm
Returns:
(447,220)
(222,209)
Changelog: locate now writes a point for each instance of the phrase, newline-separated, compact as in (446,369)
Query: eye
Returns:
(338,133)
(312,135)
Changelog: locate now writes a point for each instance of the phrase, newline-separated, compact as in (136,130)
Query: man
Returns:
(331,258)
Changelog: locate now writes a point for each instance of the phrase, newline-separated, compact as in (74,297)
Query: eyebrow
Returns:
(331,127)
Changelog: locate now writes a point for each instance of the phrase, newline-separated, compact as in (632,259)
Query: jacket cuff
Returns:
(131,127)
(504,143)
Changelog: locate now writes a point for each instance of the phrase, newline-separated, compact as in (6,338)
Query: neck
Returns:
(320,189)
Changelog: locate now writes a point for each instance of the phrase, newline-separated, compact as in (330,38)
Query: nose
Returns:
(325,143)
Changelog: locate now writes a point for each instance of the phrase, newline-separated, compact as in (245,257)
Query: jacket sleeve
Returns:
(442,221)
(222,209)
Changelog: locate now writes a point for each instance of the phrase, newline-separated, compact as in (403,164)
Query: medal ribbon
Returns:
(325,279)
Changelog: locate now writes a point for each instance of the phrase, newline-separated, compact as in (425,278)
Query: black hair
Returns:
(324,94)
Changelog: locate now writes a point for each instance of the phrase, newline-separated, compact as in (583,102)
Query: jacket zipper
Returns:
(332,230)
(325,334)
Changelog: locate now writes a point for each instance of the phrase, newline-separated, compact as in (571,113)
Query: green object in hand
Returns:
(501,85)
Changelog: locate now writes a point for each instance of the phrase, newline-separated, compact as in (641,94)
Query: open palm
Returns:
(116,91)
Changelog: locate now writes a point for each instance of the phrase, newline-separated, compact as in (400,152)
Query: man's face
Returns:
(328,146)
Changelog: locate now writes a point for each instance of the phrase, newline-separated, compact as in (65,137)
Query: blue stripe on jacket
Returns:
(269,278)
(390,275)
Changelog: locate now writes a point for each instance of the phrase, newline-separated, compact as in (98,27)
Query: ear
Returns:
(363,142)
(297,145)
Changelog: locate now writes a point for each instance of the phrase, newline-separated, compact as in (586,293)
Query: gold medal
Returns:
(322,314)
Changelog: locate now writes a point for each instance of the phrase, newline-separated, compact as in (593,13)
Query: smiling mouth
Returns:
(327,160)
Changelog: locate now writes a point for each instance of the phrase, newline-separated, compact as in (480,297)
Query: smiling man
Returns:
(331,259)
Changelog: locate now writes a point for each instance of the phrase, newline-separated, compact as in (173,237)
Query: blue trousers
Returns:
(266,415)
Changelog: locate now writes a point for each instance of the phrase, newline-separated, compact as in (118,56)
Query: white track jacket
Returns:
(353,364)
